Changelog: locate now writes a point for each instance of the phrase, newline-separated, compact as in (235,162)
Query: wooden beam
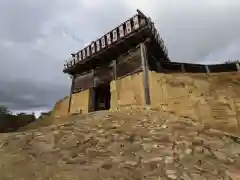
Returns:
(71,92)
(145,69)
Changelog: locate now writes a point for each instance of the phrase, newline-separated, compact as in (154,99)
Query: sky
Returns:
(37,36)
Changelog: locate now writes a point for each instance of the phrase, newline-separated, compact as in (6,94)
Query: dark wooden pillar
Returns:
(159,66)
(71,91)
(114,65)
(207,69)
(183,68)
(238,66)
(92,96)
(145,69)
(113,87)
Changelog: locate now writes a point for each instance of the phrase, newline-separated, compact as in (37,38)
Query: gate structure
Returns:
(100,72)
(114,70)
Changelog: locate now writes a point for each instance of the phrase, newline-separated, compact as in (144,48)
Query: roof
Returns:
(128,34)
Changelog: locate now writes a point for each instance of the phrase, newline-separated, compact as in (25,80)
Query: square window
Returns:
(88,51)
(114,32)
(135,22)
(103,42)
(80,56)
(93,48)
(98,45)
(128,27)
(109,41)
(121,31)
(74,59)
(83,53)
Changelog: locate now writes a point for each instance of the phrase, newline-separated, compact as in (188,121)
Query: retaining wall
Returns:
(210,98)
(128,90)
(80,102)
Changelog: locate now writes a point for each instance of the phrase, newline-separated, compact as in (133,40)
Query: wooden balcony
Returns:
(141,30)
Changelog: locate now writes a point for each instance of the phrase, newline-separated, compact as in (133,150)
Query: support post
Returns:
(113,88)
(114,64)
(207,69)
(92,103)
(183,68)
(71,91)
(238,67)
(159,67)
(145,69)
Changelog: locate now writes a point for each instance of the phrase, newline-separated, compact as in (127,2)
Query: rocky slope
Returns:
(129,144)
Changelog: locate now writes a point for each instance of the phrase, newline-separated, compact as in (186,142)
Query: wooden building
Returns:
(113,70)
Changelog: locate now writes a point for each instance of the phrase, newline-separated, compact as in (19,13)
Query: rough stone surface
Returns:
(127,91)
(209,98)
(128,144)
(80,102)
(61,108)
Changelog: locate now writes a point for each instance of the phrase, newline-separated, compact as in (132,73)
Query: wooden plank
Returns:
(71,92)
(129,63)
(83,82)
(130,73)
(145,73)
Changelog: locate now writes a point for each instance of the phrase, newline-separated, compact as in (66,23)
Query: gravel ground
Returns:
(129,144)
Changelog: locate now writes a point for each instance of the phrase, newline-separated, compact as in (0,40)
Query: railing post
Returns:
(145,69)
(71,91)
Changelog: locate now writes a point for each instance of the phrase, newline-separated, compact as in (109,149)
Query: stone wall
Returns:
(128,90)
(125,91)
(80,102)
(61,108)
(213,98)
(209,98)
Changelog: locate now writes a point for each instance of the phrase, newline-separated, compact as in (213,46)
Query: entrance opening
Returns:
(102,97)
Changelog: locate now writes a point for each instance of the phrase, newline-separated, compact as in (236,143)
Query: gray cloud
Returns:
(36,36)
(194,29)
(20,94)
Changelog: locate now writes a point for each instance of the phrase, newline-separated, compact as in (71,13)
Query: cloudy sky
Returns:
(36,36)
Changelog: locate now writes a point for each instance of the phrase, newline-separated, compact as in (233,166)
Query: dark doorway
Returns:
(102,97)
